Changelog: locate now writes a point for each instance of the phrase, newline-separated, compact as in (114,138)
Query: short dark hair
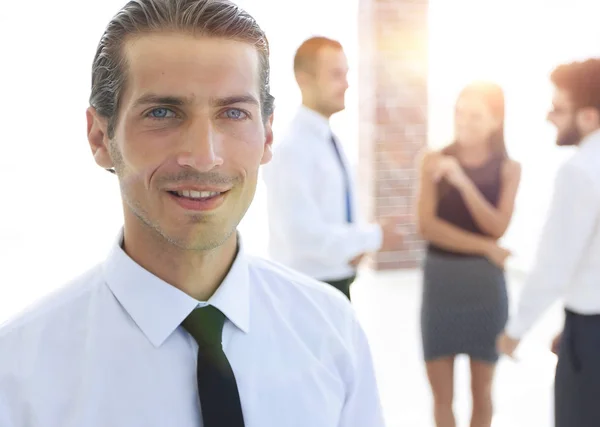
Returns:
(306,54)
(217,18)
(581,79)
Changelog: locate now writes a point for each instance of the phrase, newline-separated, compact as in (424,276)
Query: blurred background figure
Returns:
(313,224)
(568,259)
(465,205)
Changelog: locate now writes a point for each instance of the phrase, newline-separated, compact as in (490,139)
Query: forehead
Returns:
(185,65)
(332,57)
(472,101)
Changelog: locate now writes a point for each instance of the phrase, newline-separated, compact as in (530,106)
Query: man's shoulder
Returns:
(286,284)
(53,307)
(582,165)
(292,141)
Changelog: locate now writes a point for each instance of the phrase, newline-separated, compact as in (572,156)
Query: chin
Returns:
(200,234)
(565,142)
(569,137)
(568,141)
(209,237)
(468,142)
(335,110)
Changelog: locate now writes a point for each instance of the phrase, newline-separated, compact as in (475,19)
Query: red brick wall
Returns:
(393,116)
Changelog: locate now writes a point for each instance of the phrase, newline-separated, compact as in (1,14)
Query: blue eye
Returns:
(235,114)
(161,113)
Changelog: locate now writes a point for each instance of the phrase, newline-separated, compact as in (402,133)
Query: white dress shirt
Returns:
(108,350)
(568,258)
(305,190)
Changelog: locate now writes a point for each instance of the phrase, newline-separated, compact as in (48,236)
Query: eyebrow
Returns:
(236,99)
(152,99)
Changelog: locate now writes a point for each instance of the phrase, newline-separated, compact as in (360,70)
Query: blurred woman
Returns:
(465,204)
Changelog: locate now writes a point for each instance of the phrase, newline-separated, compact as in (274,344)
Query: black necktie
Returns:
(219,397)
(348,195)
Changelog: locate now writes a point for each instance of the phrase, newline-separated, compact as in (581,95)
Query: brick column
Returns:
(393,116)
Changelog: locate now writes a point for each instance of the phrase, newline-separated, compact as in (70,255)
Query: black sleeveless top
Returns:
(451,206)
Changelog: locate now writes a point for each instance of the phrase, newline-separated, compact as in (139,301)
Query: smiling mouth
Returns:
(196,195)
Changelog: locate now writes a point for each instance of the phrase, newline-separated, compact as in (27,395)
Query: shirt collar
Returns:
(314,121)
(158,308)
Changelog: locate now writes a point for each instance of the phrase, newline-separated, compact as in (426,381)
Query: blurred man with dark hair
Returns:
(568,258)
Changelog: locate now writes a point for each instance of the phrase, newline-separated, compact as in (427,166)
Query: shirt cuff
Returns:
(373,237)
(516,329)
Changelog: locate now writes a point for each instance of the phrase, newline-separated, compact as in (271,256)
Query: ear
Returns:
(589,118)
(268,151)
(98,138)
(303,78)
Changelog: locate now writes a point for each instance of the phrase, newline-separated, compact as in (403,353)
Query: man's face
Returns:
(190,137)
(331,80)
(563,117)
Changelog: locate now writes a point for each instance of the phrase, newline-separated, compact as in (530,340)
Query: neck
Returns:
(314,107)
(473,155)
(197,273)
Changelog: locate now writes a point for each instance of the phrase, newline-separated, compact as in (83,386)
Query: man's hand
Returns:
(507,345)
(556,344)
(355,262)
(392,235)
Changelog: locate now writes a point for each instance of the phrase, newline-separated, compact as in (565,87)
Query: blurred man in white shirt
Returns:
(568,258)
(311,198)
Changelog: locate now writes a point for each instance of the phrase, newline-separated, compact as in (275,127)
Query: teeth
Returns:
(197,194)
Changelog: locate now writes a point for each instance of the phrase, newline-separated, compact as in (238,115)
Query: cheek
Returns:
(566,123)
(481,126)
(340,86)
(145,152)
(485,129)
(145,148)
(245,147)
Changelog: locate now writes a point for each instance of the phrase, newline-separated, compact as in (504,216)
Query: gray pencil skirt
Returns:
(464,307)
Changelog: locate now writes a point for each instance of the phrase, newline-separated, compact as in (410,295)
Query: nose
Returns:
(201,146)
(346,84)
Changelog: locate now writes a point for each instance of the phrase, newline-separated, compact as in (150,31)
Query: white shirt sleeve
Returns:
(362,406)
(570,224)
(291,198)
(10,394)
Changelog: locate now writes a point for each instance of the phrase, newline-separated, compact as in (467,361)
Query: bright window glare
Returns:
(516,44)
